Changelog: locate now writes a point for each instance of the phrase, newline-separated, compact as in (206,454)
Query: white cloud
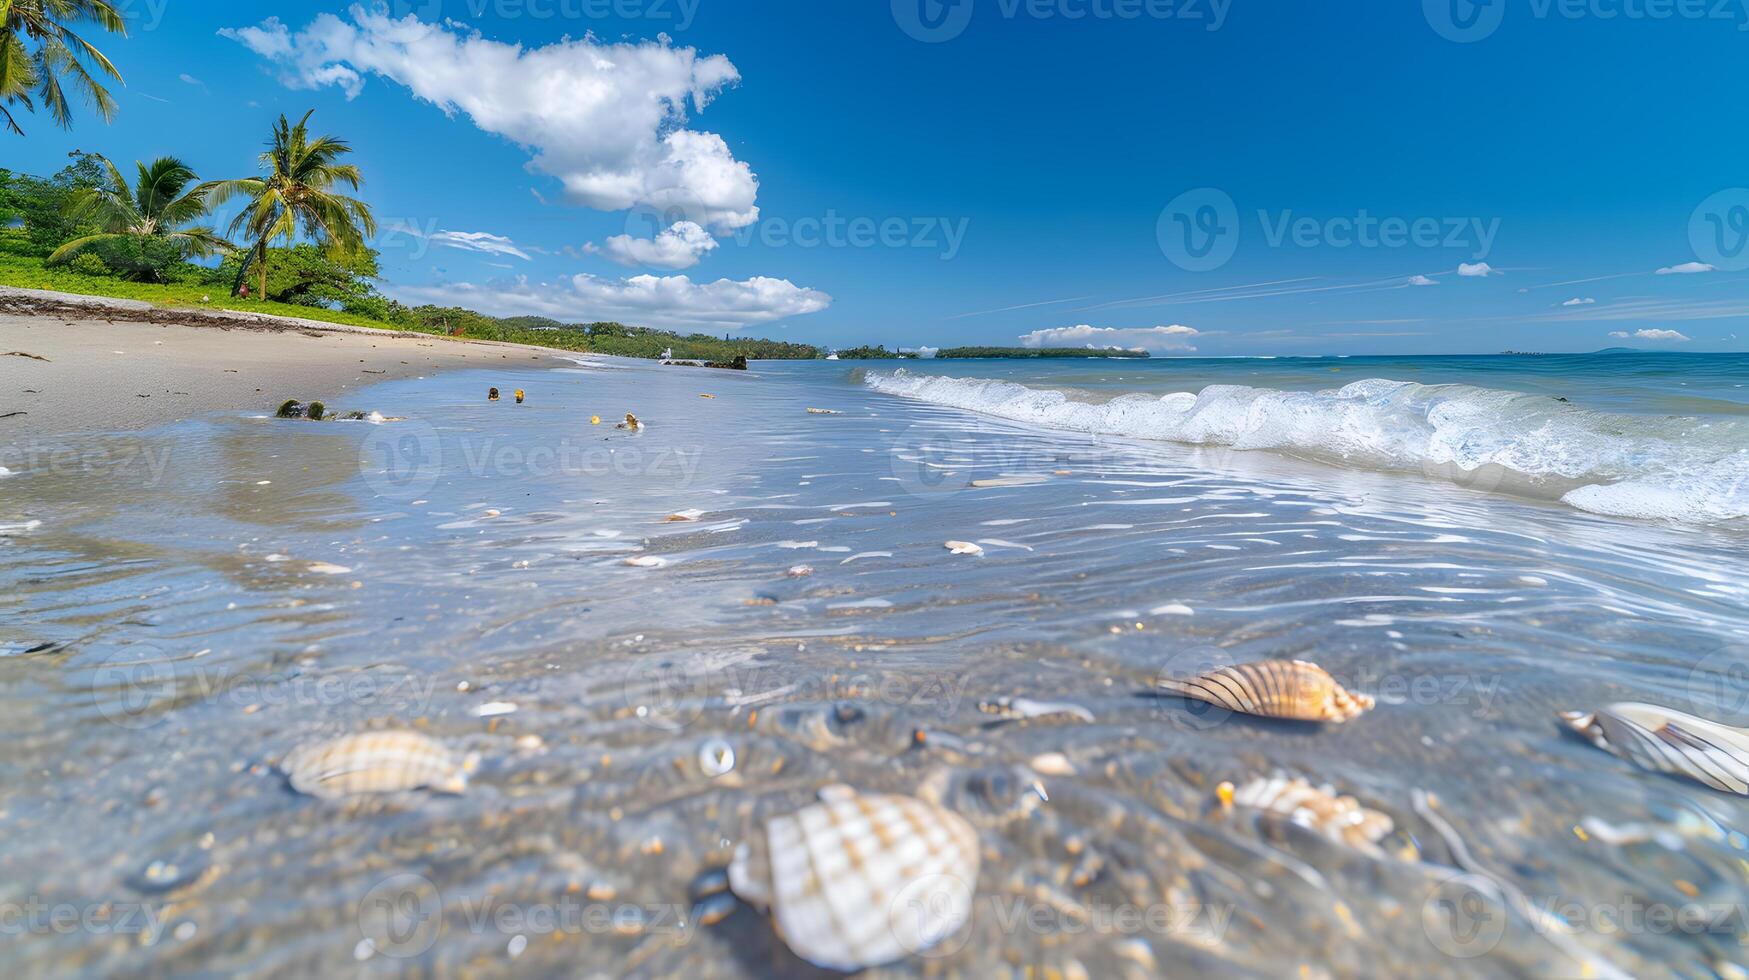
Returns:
(1476,269)
(188,79)
(679,247)
(606,119)
(1685,269)
(1422,281)
(1652,334)
(1174,337)
(656,301)
(1579,301)
(1618,333)
(479,241)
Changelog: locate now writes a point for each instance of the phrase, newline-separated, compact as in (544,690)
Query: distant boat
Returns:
(831,357)
(668,355)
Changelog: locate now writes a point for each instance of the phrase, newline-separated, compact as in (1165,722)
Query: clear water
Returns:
(166,636)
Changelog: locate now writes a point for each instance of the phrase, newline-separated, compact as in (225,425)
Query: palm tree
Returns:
(38,47)
(158,206)
(297,195)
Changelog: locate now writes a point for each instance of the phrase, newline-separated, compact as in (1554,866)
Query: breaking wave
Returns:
(1656,467)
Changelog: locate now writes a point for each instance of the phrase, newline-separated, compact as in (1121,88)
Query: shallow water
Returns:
(166,635)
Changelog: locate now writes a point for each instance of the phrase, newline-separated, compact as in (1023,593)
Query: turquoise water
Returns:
(180,608)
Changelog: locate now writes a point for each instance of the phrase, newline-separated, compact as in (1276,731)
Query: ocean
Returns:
(1476,542)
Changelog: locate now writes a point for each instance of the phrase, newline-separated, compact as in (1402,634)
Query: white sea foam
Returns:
(1661,467)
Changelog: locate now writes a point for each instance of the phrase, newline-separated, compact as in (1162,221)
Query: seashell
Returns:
(799,571)
(855,881)
(1668,741)
(376,762)
(1026,709)
(647,561)
(716,757)
(1340,818)
(1293,689)
(631,422)
(682,516)
(823,411)
(964,548)
(491,394)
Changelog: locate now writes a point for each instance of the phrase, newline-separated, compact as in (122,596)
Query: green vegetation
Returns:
(878,352)
(41,53)
(297,194)
(949,353)
(140,231)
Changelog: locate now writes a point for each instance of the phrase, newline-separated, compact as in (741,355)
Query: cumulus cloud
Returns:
(657,301)
(607,120)
(1476,269)
(1685,269)
(1422,281)
(1655,334)
(1579,301)
(1618,333)
(679,247)
(1174,337)
(478,241)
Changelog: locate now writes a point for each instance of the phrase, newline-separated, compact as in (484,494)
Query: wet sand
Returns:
(125,367)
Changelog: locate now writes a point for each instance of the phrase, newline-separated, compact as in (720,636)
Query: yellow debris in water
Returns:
(519,396)
(594,420)
(1224,793)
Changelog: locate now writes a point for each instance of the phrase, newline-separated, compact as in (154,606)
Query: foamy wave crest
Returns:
(1661,467)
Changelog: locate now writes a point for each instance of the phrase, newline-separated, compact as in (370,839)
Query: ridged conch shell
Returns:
(376,762)
(855,881)
(1340,818)
(1293,689)
(1668,741)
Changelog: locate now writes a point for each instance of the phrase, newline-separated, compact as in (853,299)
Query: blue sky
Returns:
(1020,173)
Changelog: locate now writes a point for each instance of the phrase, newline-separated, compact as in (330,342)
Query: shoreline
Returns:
(90,364)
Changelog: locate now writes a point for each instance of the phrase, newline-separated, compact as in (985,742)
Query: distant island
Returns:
(960,353)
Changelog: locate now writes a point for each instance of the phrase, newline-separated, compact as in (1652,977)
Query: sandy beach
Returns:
(74,364)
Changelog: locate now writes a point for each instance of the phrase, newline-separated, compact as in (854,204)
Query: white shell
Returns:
(1340,818)
(1664,740)
(964,548)
(855,881)
(375,762)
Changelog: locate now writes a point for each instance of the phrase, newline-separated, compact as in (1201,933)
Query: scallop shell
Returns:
(1340,818)
(1293,689)
(376,762)
(1026,709)
(855,881)
(1668,741)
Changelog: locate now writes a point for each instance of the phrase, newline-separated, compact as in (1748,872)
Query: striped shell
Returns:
(1669,741)
(1291,689)
(855,881)
(375,762)
(1340,818)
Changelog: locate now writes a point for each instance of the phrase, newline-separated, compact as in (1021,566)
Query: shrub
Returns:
(87,264)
